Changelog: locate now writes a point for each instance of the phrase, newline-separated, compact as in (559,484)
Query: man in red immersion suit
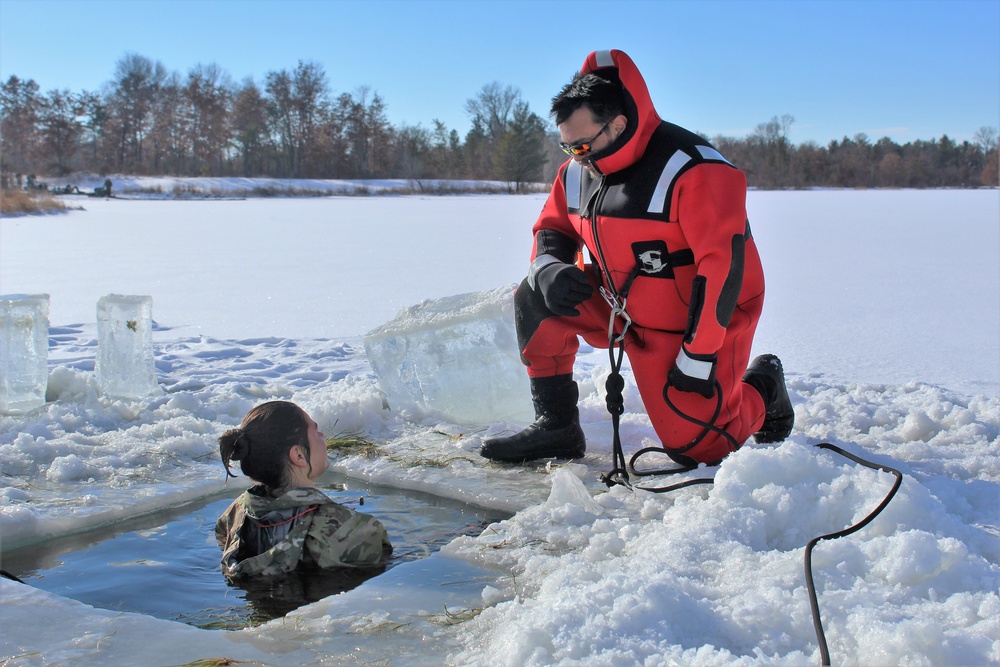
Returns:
(663,217)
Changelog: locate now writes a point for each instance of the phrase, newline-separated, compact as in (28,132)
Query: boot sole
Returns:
(499,457)
(775,432)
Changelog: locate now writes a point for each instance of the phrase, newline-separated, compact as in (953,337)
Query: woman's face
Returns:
(318,461)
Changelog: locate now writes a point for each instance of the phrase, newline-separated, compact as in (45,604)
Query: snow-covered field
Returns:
(884,307)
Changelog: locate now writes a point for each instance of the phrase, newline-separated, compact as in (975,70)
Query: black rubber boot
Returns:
(556,431)
(768,378)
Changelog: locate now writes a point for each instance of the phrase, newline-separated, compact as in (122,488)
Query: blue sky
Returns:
(906,69)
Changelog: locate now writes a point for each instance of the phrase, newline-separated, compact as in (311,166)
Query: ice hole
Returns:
(166,565)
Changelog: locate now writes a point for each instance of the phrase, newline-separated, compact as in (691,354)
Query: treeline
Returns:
(771,161)
(149,121)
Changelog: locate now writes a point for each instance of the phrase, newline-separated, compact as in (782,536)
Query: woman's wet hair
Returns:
(603,96)
(262,442)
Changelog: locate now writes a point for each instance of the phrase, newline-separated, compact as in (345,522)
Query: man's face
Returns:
(581,127)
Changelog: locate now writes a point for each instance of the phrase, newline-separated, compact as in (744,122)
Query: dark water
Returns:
(167,565)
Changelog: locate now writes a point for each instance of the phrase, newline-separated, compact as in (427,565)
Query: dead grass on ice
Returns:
(23,202)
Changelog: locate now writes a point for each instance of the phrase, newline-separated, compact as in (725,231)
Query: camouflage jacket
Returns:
(261,535)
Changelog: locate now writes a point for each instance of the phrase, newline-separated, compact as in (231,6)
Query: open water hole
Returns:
(166,565)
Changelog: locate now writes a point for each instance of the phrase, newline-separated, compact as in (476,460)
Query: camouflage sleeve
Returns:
(340,537)
(229,523)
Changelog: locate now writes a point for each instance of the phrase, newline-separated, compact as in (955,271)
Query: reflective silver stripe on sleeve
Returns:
(604,59)
(658,201)
(574,172)
(693,368)
(540,263)
(709,153)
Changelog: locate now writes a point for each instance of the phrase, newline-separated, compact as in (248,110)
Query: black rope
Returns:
(810,584)
(7,575)
(615,384)
(619,473)
(615,400)
(707,427)
(813,601)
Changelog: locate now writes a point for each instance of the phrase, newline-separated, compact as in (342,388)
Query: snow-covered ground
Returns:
(884,307)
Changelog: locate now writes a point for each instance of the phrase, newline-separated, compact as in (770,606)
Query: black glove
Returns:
(693,373)
(564,287)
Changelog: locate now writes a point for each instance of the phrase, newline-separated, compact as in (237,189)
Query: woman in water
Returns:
(284,520)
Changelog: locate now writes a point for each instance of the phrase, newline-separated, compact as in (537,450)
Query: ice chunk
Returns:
(24,352)
(457,355)
(124,366)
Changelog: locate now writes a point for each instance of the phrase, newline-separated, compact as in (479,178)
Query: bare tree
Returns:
(986,138)
(412,152)
(208,96)
(491,111)
(297,104)
(520,153)
(494,106)
(773,149)
(368,133)
(137,81)
(311,98)
(61,128)
(248,123)
(168,140)
(281,120)
(20,106)
(95,120)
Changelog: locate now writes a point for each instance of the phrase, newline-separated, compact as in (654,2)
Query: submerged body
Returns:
(284,520)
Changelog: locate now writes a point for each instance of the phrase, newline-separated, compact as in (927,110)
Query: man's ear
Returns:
(620,123)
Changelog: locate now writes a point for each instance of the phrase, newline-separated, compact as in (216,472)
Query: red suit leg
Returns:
(741,412)
(549,345)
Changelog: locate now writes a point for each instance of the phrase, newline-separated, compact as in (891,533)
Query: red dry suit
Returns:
(665,222)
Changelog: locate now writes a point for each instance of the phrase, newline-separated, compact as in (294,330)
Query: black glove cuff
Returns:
(536,267)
